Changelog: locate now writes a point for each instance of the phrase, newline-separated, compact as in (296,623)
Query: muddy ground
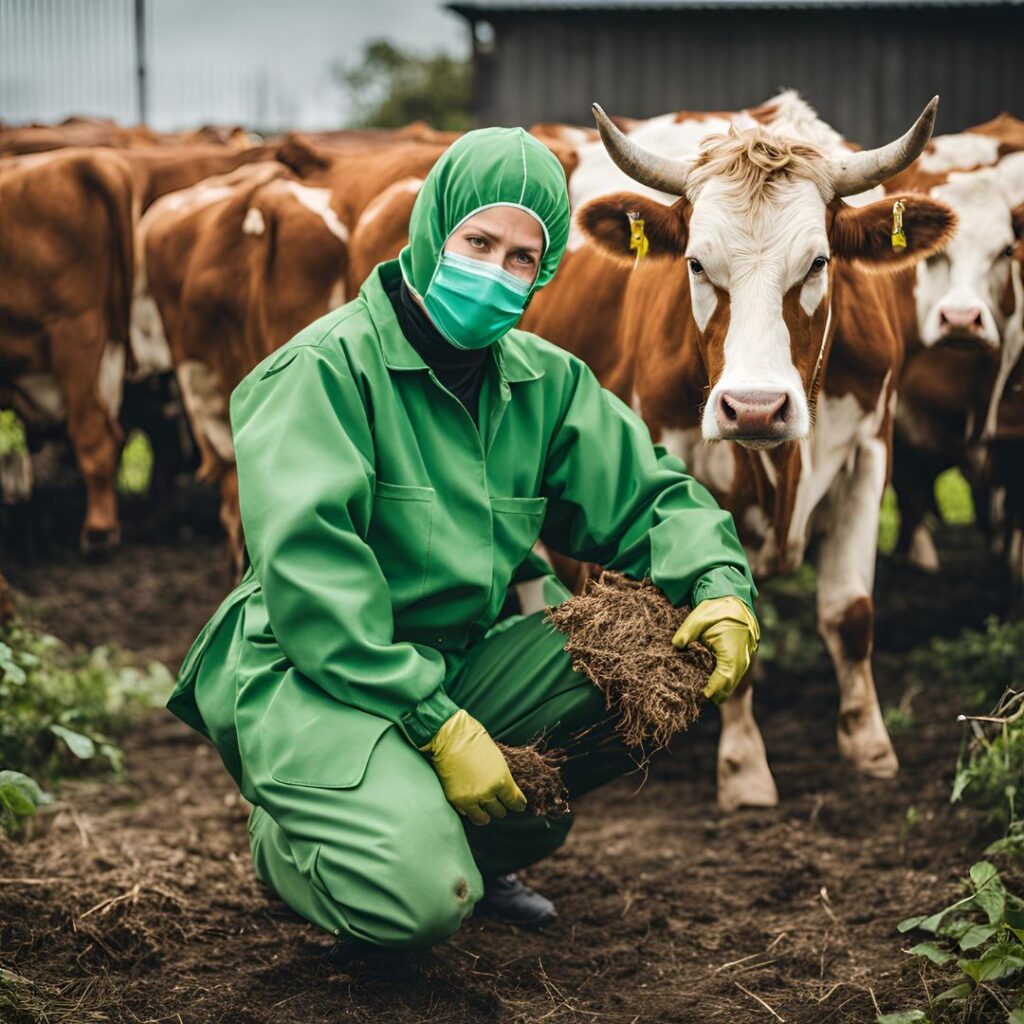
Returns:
(135,901)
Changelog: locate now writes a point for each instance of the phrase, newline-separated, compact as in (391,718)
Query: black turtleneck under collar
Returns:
(461,371)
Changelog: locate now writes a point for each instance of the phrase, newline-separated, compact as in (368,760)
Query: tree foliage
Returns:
(391,87)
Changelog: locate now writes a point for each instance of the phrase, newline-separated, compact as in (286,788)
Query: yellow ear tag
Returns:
(638,240)
(899,237)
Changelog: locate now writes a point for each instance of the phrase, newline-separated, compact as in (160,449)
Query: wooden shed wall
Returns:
(868,73)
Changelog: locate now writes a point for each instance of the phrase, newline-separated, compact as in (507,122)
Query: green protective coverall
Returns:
(384,530)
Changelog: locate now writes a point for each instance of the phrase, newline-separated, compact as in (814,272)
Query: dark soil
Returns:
(135,901)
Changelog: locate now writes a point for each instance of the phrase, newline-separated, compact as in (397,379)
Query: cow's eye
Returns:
(1008,252)
(819,264)
(696,268)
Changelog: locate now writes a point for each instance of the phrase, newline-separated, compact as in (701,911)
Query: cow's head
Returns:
(760,223)
(965,291)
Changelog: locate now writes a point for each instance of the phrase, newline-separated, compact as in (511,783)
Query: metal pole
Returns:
(140,59)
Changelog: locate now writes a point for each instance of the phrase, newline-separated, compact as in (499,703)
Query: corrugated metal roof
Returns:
(481,7)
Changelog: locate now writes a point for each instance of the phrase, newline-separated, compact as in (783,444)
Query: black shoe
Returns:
(511,900)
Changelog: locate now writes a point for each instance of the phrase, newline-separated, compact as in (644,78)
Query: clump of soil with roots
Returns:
(619,635)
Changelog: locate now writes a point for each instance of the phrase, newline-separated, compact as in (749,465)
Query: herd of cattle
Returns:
(835,318)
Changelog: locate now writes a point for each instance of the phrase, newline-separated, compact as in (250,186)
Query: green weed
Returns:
(982,935)
(61,710)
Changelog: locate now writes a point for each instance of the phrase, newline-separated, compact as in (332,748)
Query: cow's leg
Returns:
(231,518)
(914,482)
(846,569)
(744,778)
(90,381)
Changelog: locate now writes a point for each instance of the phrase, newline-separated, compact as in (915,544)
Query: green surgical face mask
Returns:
(474,303)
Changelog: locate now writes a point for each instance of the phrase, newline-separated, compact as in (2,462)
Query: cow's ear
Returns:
(606,222)
(865,233)
(302,155)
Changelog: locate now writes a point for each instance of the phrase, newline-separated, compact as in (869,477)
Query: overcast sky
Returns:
(209,60)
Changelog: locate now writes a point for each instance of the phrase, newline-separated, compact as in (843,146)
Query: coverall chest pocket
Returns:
(517,525)
(400,534)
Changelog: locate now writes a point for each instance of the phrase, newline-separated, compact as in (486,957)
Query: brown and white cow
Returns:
(234,266)
(958,363)
(761,342)
(66,263)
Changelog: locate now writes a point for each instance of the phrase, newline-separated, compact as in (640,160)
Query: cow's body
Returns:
(964,346)
(66,258)
(661,348)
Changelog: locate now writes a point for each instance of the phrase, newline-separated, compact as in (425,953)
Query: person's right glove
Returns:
(472,770)
(727,627)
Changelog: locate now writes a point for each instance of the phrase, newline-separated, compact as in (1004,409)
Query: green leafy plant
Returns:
(982,663)
(20,796)
(61,710)
(982,934)
(990,769)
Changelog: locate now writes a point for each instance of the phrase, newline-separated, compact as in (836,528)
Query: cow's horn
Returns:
(857,172)
(640,164)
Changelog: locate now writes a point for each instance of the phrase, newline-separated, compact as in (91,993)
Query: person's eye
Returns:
(476,241)
(696,267)
(524,259)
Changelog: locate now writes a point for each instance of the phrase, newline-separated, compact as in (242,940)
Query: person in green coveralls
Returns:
(397,462)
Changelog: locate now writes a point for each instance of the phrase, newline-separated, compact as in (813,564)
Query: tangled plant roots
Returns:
(537,774)
(619,634)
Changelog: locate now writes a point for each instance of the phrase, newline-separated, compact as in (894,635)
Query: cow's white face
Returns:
(961,292)
(759,287)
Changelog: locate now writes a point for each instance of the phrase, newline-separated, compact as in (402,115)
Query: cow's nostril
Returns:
(727,408)
(782,412)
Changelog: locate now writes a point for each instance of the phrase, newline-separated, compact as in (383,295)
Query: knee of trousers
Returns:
(406,903)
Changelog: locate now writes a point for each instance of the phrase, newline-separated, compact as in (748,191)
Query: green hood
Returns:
(487,167)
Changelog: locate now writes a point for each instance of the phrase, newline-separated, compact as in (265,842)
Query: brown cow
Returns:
(761,318)
(66,262)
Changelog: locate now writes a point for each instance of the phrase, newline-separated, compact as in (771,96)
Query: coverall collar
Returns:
(514,364)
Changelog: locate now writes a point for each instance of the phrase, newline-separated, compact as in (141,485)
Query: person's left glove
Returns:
(473,772)
(727,627)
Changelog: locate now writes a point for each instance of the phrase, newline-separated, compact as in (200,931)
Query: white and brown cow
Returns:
(760,342)
(959,361)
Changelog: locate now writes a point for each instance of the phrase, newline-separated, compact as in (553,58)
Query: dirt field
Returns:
(136,901)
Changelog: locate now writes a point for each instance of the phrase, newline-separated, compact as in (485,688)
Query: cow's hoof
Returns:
(869,749)
(744,778)
(97,543)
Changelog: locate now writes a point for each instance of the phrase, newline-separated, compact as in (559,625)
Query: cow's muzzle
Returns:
(758,418)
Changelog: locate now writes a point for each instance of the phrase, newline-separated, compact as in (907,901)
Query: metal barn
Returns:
(868,66)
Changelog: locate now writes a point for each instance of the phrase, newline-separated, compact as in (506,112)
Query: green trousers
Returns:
(388,860)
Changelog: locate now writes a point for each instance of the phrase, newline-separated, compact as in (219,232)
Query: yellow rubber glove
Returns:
(472,770)
(727,627)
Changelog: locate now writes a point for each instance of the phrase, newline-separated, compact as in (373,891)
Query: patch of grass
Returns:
(990,770)
(61,710)
(981,663)
(12,434)
(136,469)
(953,495)
(888,523)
